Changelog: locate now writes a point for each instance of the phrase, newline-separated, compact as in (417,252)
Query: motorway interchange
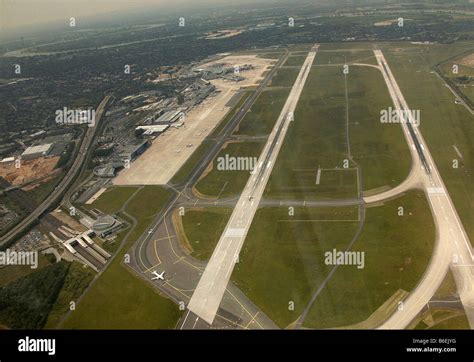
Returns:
(204,289)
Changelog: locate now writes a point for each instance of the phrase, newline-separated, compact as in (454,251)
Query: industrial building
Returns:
(36,151)
(132,151)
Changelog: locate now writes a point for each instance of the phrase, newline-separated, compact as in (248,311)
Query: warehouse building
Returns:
(36,151)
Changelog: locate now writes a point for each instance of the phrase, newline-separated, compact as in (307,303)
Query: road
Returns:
(65,182)
(452,248)
(210,290)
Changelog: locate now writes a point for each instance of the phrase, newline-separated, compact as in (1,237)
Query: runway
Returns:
(210,290)
(452,249)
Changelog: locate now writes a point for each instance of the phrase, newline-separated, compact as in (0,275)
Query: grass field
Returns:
(118,299)
(203,229)
(397,251)
(112,199)
(222,183)
(345,57)
(318,137)
(260,119)
(284,77)
(295,60)
(280,251)
(379,148)
(444,124)
(283,258)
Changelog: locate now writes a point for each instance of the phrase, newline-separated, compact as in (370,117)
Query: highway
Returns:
(65,182)
(452,248)
(210,290)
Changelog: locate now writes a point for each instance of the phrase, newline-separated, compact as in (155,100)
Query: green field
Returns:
(222,183)
(284,77)
(444,124)
(345,57)
(283,257)
(280,250)
(296,60)
(379,148)
(112,199)
(118,299)
(203,230)
(318,137)
(397,252)
(260,119)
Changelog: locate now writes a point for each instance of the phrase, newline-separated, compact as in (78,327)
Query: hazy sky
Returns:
(21,13)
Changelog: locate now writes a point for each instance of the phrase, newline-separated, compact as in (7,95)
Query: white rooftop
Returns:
(154,128)
(37,149)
